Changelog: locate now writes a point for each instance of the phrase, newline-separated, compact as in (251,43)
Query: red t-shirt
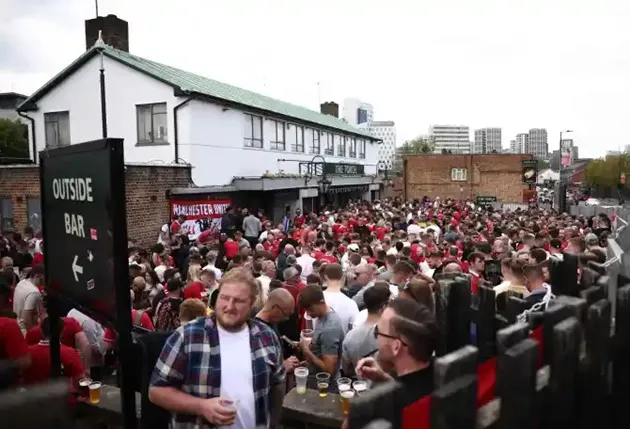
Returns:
(38,259)
(380,232)
(299,221)
(329,259)
(145,320)
(231,248)
(193,290)
(71,327)
(204,236)
(175,227)
(317,254)
(12,343)
(39,369)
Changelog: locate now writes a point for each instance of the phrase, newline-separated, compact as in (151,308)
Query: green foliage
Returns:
(417,146)
(606,172)
(13,142)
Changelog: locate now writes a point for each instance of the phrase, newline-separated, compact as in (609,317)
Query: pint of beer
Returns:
(323,379)
(95,392)
(84,388)
(346,395)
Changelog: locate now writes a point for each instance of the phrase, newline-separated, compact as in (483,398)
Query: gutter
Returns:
(175,128)
(34,144)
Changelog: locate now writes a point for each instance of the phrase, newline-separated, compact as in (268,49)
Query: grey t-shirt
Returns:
(328,339)
(359,343)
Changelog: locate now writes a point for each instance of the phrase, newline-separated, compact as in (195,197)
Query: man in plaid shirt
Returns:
(222,370)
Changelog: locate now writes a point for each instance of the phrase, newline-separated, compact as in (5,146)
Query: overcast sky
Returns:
(557,64)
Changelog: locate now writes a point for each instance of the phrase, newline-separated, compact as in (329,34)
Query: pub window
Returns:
(299,140)
(459,174)
(341,148)
(362,144)
(57,129)
(6,214)
(253,131)
(34,212)
(151,119)
(280,142)
(353,148)
(330,145)
(315,145)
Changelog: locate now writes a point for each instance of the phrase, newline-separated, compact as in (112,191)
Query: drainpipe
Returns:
(32,121)
(175,109)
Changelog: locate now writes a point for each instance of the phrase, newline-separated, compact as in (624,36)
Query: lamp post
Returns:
(100,45)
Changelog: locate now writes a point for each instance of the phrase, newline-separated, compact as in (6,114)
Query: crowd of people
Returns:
(359,279)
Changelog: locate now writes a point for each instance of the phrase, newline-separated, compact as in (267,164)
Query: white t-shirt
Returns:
(414,229)
(360,319)
(25,298)
(159,271)
(237,377)
(306,262)
(345,307)
(217,272)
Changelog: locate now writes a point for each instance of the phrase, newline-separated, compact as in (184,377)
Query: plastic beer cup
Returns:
(346,395)
(95,392)
(301,376)
(323,378)
(84,388)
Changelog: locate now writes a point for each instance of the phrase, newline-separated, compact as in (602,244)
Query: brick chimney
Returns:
(330,108)
(115,32)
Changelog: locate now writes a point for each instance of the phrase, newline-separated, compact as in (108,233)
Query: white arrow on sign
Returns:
(76,269)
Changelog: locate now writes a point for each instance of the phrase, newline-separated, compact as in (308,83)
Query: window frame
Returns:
(329,149)
(362,148)
(3,219)
(279,145)
(47,120)
(298,146)
(253,142)
(152,114)
(30,200)
(342,145)
(352,153)
(315,148)
(459,174)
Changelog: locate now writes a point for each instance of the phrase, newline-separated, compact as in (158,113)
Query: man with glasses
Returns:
(406,335)
(279,308)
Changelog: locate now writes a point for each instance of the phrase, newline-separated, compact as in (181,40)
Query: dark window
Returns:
(57,129)
(6,214)
(253,131)
(299,140)
(152,126)
(330,145)
(279,132)
(362,116)
(34,212)
(341,147)
(362,145)
(353,148)
(315,144)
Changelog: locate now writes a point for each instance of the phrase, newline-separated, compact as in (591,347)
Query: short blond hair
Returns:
(191,309)
(242,275)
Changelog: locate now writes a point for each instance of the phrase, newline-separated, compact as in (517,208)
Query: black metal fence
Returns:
(567,366)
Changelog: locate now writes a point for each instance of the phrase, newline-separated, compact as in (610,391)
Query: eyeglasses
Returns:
(393,337)
(284,313)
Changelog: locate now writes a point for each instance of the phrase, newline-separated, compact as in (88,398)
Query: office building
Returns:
(454,139)
(385,131)
(537,145)
(356,112)
(487,140)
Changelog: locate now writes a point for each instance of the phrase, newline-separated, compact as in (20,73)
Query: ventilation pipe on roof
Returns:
(175,127)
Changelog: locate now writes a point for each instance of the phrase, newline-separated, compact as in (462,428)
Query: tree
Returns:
(13,142)
(606,172)
(417,146)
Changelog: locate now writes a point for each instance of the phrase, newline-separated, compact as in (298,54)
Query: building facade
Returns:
(386,132)
(9,101)
(465,176)
(451,138)
(522,143)
(487,140)
(357,112)
(537,143)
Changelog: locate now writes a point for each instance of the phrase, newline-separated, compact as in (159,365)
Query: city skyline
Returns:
(581,86)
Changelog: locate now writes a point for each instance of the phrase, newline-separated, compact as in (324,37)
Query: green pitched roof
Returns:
(192,83)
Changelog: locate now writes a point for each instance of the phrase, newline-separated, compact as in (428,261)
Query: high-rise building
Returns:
(521,143)
(538,143)
(513,147)
(357,112)
(453,138)
(487,140)
(386,131)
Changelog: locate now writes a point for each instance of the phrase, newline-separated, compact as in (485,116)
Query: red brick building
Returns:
(465,176)
(146,189)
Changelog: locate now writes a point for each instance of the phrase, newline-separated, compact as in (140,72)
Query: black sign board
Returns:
(82,189)
(486,200)
(530,171)
(344,169)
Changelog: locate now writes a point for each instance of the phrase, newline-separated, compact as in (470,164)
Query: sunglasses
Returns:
(393,337)
(284,313)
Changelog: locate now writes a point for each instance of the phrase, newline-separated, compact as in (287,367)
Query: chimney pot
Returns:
(330,108)
(115,32)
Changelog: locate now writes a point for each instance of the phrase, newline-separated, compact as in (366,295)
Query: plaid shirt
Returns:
(191,361)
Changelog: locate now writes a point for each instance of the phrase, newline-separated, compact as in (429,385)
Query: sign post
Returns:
(85,229)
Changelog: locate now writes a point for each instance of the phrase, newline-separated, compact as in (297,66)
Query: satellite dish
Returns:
(381,166)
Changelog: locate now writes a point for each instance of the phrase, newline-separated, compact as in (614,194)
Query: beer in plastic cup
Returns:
(84,388)
(360,386)
(95,392)
(301,376)
(346,395)
(323,378)
(344,383)
(307,335)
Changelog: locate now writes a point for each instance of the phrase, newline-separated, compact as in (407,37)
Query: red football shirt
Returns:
(71,327)
(145,320)
(12,343)
(38,259)
(193,290)
(231,248)
(39,369)
(329,259)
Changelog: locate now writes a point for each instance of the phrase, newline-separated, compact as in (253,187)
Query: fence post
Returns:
(452,314)
(621,357)
(456,364)
(454,406)
(485,322)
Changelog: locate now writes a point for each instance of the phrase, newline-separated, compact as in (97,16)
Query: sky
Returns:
(554,64)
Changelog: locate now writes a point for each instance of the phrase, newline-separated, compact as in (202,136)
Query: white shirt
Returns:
(392,251)
(217,272)
(237,377)
(159,271)
(306,262)
(94,333)
(414,229)
(264,285)
(360,319)
(345,307)
(26,298)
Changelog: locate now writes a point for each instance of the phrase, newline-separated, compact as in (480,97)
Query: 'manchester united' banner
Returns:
(199,209)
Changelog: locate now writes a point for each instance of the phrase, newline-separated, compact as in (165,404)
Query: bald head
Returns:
(289,249)
(452,267)
(280,296)
(279,306)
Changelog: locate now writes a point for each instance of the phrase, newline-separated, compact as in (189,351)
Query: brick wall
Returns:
(146,186)
(487,175)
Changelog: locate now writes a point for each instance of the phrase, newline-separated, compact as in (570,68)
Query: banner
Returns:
(200,214)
